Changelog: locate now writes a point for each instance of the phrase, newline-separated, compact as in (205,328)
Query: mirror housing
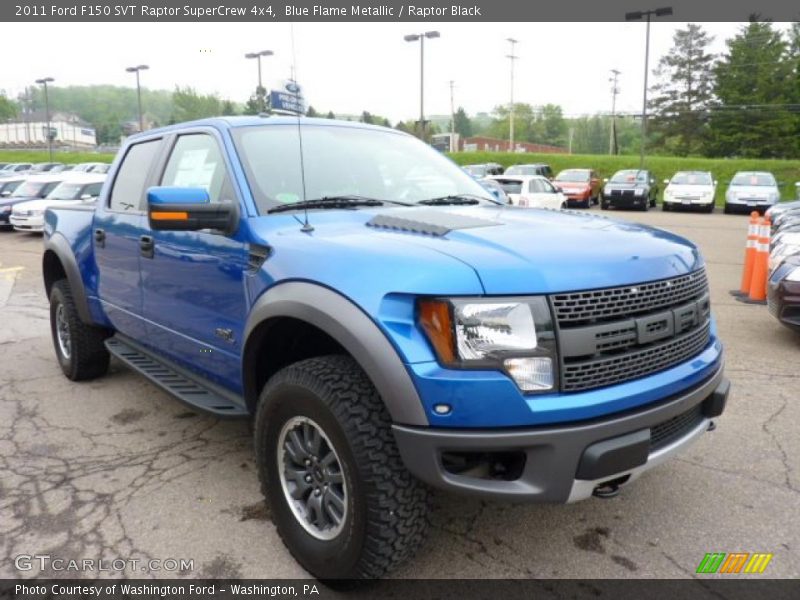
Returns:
(666,182)
(715,183)
(605,179)
(5,194)
(188,209)
(86,197)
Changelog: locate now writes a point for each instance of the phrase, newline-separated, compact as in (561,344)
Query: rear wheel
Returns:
(343,502)
(79,347)
(665,206)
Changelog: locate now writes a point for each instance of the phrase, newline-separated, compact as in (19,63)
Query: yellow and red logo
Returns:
(734,562)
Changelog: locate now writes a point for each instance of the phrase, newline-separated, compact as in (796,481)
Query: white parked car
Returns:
(690,189)
(751,190)
(531,191)
(80,188)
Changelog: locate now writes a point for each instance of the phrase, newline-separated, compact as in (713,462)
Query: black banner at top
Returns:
(392,10)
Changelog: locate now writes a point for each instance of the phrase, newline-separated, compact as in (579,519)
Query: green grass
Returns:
(64,157)
(787,172)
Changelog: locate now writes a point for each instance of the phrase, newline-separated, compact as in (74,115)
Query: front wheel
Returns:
(343,502)
(80,347)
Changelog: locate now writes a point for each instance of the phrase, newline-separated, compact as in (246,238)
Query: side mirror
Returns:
(188,209)
(715,183)
(5,194)
(86,197)
(605,180)
(666,182)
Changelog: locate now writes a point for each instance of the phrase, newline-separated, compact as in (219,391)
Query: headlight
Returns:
(780,253)
(37,213)
(514,335)
(639,191)
(794,275)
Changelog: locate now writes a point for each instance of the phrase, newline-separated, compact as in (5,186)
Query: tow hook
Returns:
(712,426)
(606,491)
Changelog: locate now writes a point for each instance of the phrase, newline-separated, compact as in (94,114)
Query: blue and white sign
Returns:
(289,98)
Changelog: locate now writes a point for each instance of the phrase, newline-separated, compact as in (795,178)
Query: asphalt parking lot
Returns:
(116,469)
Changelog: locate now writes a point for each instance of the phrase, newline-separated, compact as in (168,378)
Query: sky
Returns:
(350,67)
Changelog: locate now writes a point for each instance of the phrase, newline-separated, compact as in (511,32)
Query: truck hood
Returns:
(513,250)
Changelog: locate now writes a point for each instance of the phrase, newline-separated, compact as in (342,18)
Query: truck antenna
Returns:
(307,227)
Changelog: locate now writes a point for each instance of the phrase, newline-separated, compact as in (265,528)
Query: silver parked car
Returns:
(751,190)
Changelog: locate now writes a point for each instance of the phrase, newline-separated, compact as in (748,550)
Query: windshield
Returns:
(692,178)
(510,186)
(573,175)
(346,161)
(759,179)
(629,176)
(524,170)
(30,189)
(476,170)
(66,191)
(9,186)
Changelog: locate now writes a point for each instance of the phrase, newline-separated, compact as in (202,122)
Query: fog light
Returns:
(531,374)
(442,409)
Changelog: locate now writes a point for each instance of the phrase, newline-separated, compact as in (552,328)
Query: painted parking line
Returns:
(7,278)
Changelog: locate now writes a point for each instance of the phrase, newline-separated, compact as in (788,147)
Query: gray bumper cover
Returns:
(553,454)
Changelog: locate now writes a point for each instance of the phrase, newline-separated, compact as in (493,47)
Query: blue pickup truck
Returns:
(386,323)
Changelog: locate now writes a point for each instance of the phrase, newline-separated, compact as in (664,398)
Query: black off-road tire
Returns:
(88,357)
(387,507)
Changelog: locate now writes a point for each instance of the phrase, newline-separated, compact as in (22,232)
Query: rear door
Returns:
(119,224)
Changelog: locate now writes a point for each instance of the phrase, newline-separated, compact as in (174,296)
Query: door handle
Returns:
(146,246)
(100,237)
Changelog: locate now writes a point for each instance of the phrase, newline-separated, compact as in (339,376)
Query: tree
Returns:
(549,126)
(188,105)
(683,92)
(228,108)
(366,117)
(461,123)
(8,108)
(754,85)
(311,112)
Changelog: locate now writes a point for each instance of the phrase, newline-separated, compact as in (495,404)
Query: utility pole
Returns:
(420,37)
(571,135)
(452,118)
(612,143)
(511,57)
(44,81)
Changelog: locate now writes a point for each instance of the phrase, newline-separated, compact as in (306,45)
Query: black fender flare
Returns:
(355,331)
(58,245)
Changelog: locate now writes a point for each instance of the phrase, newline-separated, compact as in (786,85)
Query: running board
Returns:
(177,381)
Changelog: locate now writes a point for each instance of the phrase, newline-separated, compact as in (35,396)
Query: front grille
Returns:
(613,335)
(598,305)
(673,429)
(588,374)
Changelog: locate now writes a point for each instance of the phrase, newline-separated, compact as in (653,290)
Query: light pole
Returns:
(44,81)
(638,16)
(260,91)
(421,38)
(452,118)
(511,57)
(138,92)
(612,143)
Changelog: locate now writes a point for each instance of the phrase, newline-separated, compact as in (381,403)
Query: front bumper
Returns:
(566,463)
(783,301)
(748,204)
(626,200)
(27,223)
(688,202)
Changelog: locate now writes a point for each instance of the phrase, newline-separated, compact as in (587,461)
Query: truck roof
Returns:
(257,121)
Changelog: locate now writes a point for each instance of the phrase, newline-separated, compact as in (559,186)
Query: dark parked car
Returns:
(630,188)
(783,293)
(7,187)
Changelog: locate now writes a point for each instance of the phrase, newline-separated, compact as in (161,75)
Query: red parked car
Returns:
(580,186)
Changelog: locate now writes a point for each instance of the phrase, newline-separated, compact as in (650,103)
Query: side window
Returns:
(48,187)
(128,191)
(536,187)
(197,162)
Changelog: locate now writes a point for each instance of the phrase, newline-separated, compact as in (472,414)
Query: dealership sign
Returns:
(288,98)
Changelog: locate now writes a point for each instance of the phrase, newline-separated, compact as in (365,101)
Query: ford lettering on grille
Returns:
(618,334)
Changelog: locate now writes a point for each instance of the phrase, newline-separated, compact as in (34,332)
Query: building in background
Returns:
(67,131)
(453,142)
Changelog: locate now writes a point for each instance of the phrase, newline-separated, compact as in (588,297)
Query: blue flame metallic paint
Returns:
(200,285)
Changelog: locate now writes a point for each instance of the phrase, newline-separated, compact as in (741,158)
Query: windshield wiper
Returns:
(328,202)
(453,199)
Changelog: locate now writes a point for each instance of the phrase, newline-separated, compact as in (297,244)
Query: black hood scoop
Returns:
(427,222)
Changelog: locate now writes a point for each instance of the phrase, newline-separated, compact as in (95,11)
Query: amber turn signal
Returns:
(434,316)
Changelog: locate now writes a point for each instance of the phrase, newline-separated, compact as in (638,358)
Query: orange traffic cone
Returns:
(749,254)
(758,285)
